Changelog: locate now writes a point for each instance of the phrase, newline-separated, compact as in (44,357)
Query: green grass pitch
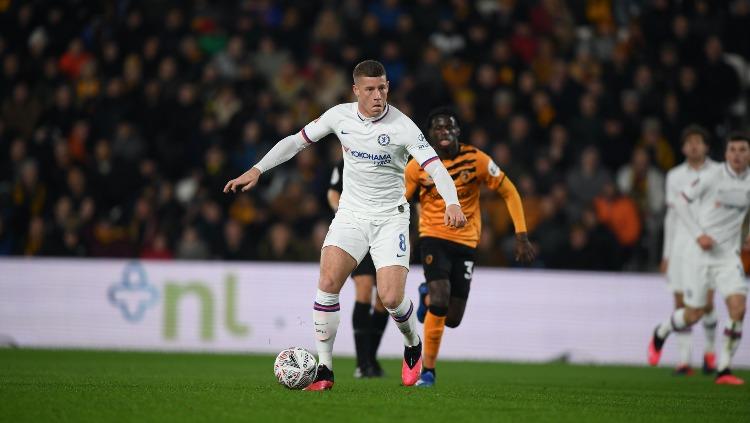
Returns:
(75,386)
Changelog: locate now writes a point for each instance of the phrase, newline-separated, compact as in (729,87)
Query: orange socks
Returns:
(433,334)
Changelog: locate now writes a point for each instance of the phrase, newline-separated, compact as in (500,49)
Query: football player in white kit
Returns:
(373,213)
(695,147)
(723,196)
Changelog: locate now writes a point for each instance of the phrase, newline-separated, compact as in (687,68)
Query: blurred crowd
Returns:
(121,121)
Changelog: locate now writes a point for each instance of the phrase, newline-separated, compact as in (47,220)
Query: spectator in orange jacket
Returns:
(620,214)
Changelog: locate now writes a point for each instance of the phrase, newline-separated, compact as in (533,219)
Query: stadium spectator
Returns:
(158,249)
(644,183)
(587,180)
(620,214)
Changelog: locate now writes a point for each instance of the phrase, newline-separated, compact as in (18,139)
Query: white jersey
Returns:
(375,154)
(676,235)
(723,199)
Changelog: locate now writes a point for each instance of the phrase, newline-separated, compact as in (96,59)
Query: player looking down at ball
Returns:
(448,253)
(373,213)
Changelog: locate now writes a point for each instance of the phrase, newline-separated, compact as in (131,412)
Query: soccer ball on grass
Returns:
(295,368)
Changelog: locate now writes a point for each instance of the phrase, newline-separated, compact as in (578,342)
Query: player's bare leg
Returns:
(732,335)
(391,283)
(362,323)
(335,267)
(684,341)
(710,321)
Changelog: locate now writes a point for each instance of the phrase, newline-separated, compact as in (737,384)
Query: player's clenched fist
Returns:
(454,217)
(244,182)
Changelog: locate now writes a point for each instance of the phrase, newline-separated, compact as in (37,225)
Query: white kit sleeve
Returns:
(293,144)
(443,181)
(281,152)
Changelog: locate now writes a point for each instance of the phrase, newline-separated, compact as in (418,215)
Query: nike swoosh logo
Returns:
(345,133)
(400,255)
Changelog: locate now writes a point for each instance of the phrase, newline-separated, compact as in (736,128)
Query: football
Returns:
(295,368)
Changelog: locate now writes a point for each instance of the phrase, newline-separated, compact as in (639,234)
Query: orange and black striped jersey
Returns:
(469,169)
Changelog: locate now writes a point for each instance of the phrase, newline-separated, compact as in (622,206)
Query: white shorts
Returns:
(386,238)
(728,278)
(676,271)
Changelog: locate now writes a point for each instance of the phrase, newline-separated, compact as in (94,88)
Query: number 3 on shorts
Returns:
(469,269)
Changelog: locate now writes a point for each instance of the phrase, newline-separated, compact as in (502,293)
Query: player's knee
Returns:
(440,294)
(439,300)
(326,283)
(679,301)
(692,315)
(391,300)
(737,312)
(379,307)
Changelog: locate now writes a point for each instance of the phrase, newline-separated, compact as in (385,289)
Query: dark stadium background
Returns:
(120,121)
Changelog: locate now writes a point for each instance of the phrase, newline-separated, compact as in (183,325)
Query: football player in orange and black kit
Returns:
(448,253)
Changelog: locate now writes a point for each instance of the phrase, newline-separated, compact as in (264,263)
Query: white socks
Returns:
(732,336)
(406,321)
(326,320)
(709,329)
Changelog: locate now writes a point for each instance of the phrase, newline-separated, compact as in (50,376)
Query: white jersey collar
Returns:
(375,118)
(707,162)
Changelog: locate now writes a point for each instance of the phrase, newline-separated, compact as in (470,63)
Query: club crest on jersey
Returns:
(384,139)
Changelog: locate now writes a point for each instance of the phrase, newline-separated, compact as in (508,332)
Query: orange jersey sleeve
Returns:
(489,172)
(497,181)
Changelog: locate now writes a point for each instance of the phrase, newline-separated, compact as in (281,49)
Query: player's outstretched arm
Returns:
(280,153)
(524,251)
(454,217)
